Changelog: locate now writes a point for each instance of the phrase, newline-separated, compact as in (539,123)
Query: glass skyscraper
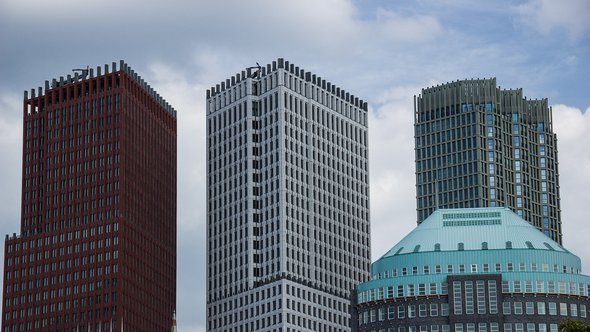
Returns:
(287,201)
(478,145)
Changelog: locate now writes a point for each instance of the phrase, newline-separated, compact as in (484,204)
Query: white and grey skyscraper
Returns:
(287,201)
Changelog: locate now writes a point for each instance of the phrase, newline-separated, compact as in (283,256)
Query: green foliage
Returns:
(570,325)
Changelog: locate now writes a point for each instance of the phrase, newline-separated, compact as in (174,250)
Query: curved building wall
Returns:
(531,284)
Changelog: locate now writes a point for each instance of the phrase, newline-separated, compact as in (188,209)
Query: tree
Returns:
(570,325)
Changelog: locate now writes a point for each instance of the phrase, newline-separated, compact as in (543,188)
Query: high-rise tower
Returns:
(287,201)
(481,146)
(97,244)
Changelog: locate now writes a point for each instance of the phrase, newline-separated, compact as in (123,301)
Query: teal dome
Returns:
(476,241)
(473,229)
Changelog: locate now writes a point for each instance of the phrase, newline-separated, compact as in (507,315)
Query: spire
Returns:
(174,321)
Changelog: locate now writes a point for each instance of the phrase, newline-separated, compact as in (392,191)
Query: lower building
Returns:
(467,270)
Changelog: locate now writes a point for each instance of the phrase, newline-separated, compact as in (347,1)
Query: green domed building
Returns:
(468,270)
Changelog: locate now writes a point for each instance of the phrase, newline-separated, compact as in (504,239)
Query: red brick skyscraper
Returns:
(97,246)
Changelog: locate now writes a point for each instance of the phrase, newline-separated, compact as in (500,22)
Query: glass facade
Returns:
(477,145)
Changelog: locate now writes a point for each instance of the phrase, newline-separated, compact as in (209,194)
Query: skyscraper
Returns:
(478,145)
(97,243)
(287,201)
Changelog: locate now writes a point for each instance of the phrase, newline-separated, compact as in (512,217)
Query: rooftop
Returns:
(473,229)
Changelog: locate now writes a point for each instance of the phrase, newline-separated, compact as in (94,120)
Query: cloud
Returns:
(187,95)
(400,28)
(548,15)
(391,160)
(11,131)
(383,53)
(572,127)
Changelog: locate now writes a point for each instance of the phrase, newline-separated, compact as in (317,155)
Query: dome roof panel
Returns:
(473,229)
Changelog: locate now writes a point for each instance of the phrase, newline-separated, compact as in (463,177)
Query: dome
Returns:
(473,229)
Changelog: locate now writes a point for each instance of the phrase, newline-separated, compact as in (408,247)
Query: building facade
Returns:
(97,243)
(478,145)
(287,201)
(467,270)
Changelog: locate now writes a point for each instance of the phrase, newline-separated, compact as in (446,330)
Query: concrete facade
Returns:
(287,201)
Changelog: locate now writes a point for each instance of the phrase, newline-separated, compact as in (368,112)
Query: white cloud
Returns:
(391,160)
(547,15)
(187,95)
(11,131)
(183,47)
(572,127)
(402,28)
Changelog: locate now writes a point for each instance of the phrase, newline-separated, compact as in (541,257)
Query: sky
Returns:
(383,51)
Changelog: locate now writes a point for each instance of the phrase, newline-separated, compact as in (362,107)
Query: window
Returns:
(391,313)
(563,309)
(432,288)
(457,298)
(493,297)
(434,309)
(506,308)
(540,308)
(573,310)
(411,311)
(449,268)
(518,308)
(421,289)
(422,311)
(401,311)
(494,327)
(530,308)
(469,297)
(552,308)
(481,300)
(444,309)
(381,314)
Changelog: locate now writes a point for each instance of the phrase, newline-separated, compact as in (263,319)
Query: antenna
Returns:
(256,74)
(83,71)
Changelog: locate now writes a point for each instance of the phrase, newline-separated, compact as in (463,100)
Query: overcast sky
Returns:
(382,51)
